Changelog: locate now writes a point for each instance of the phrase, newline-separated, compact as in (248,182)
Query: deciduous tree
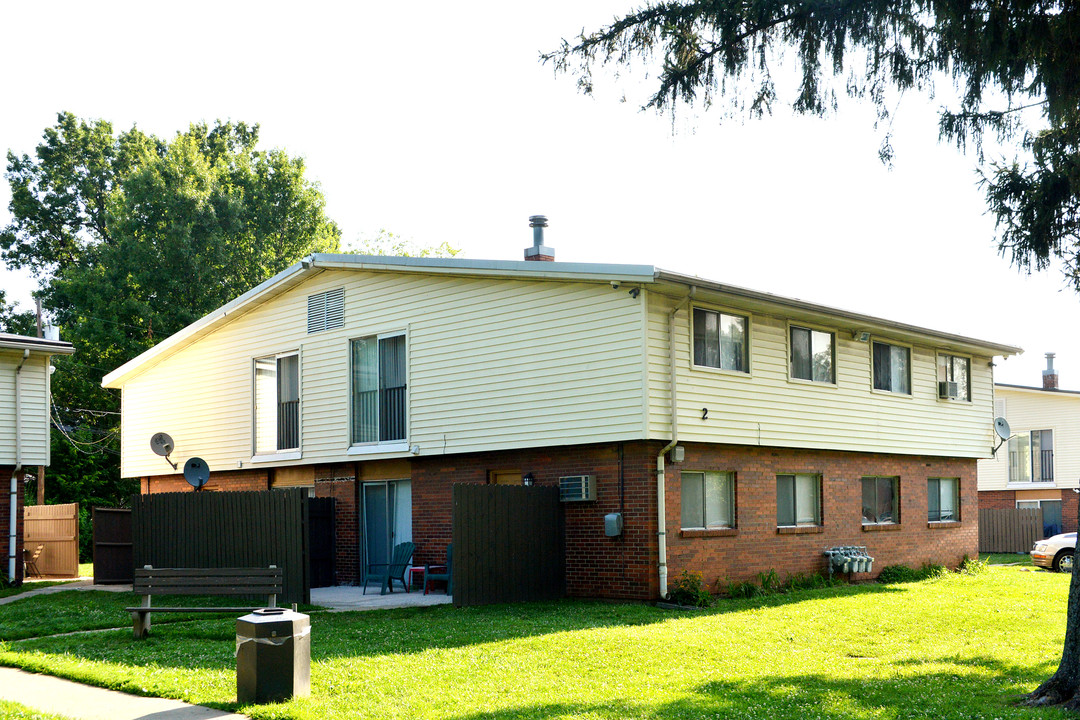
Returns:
(1015,66)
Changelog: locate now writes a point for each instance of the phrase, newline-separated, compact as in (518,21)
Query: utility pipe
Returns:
(12,519)
(661,477)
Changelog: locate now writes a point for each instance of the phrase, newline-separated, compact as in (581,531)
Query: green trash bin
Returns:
(273,656)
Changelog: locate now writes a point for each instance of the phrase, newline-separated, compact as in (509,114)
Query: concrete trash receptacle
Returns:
(273,656)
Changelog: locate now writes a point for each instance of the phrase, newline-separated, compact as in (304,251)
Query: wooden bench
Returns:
(201,581)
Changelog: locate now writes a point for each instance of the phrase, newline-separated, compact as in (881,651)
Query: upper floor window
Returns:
(720,340)
(892,368)
(378,389)
(708,500)
(812,355)
(1031,456)
(942,499)
(881,500)
(954,377)
(277,403)
(798,499)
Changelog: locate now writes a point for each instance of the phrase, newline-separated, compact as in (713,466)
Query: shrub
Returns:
(688,590)
(973,566)
(892,574)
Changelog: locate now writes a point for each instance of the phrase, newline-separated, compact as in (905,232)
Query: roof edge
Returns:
(8,341)
(997,348)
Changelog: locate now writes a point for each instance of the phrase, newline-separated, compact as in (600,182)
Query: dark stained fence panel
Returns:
(113,561)
(321,541)
(508,544)
(226,530)
(1009,530)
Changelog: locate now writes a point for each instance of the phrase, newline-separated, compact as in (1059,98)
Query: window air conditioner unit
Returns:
(577,488)
(948,390)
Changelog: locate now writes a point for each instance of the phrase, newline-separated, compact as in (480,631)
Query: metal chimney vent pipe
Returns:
(539,251)
(1049,375)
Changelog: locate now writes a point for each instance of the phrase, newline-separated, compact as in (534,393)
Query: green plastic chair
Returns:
(387,573)
(447,576)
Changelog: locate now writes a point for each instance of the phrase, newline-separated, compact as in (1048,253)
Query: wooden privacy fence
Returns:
(508,544)
(56,527)
(1009,530)
(226,529)
(113,562)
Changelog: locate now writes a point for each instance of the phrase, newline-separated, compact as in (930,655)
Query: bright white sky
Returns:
(436,121)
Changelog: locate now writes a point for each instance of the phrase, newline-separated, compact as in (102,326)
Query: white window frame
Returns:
(910,373)
(730,499)
(816,479)
(937,370)
(279,453)
(743,315)
(1013,483)
(791,350)
(380,446)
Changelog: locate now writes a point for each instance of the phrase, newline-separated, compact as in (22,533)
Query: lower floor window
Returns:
(942,499)
(708,500)
(798,499)
(881,500)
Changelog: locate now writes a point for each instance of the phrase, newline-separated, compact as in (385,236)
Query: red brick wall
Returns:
(596,565)
(5,520)
(757,545)
(340,483)
(997,499)
(228,480)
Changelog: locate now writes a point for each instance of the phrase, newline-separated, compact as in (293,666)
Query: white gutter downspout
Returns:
(12,524)
(661,478)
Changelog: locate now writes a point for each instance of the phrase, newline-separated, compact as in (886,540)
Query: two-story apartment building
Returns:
(736,431)
(24,428)
(1039,465)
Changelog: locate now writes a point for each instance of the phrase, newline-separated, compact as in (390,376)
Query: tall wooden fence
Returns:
(56,529)
(1009,530)
(508,544)
(226,529)
(113,563)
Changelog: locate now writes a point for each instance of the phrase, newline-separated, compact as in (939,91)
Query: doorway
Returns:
(387,518)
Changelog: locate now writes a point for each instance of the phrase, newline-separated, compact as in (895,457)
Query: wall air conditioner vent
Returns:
(326,310)
(948,390)
(577,488)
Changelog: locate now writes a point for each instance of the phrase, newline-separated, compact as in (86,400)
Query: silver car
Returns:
(1055,553)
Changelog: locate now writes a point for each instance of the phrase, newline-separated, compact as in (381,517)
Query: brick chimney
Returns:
(539,251)
(1050,377)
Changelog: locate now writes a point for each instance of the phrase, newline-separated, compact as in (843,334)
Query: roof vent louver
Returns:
(326,310)
(577,488)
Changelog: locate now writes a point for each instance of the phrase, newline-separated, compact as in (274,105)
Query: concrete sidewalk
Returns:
(70,699)
(83,584)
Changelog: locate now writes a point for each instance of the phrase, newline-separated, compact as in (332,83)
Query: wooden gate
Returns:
(226,530)
(56,529)
(321,534)
(508,544)
(1009,530)
(113,561)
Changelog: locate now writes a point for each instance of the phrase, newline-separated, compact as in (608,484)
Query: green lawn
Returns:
(1006,558)
(959,646)
(15,711)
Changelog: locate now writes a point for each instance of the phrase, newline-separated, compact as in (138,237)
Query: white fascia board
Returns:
(531,269)
(258,294)
(867,322)
(38,346)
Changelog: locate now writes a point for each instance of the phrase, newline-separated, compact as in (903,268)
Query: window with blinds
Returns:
(378,389)
(326,310)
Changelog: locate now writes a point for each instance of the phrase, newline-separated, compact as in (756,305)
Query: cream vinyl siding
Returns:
(765,407)
(1033,409)
(35,408)
(492,364)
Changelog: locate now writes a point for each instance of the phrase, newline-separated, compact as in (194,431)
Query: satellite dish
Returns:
(1001,427)
(196,472)
(162,445)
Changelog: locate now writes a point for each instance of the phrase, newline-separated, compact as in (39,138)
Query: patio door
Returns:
(387,516)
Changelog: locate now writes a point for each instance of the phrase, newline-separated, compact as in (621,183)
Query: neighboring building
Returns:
(1039,465)
(381,381)
(24,429)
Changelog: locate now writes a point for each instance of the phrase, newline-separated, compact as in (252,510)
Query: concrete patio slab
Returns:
(351,597)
